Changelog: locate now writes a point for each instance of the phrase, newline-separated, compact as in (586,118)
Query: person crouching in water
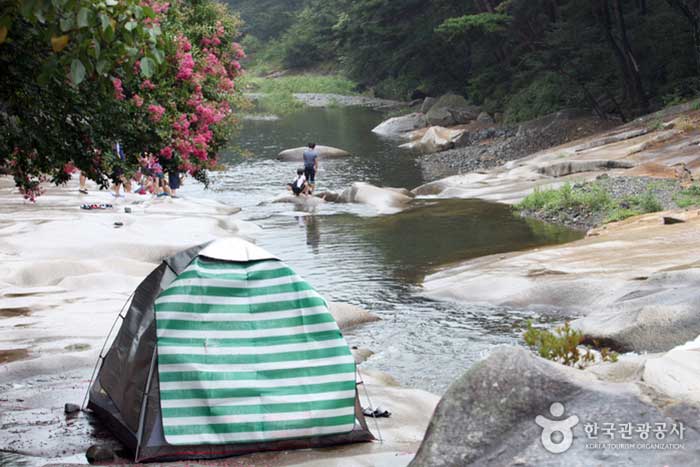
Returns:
(299,186)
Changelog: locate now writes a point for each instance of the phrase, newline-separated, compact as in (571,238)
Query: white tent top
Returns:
(235,249)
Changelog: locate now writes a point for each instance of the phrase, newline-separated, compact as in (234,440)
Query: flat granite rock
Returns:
(499,413)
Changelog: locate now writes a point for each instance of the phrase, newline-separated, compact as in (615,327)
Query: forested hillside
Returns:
(521,57)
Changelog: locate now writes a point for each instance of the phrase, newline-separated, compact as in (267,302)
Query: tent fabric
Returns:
(126,393)
(249,353)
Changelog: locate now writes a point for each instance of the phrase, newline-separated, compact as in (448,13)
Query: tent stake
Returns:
(102,350)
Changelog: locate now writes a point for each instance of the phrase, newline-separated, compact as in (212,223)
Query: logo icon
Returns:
(557,435)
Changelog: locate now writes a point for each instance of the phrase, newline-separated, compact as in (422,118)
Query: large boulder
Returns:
(385,200)
(428,104)
(324,152)
(398,126)
(676,373)
(654,315)
(451,109)
(435,139)
(506,408)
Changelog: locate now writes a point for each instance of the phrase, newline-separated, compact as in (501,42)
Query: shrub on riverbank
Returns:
(586,205)
(688,197)
(564,345)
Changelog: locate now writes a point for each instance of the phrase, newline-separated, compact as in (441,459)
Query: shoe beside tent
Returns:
(224,350)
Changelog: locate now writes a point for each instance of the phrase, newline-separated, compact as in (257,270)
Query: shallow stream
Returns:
(350,253)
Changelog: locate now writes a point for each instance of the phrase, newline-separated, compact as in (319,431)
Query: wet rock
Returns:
(324,152)
(397,126)
(71,408)
(347,315)
(495,413)
(99,454)
(385,200)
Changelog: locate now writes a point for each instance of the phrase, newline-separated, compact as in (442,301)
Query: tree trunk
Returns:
(691,11)
(631,62)
(625,57)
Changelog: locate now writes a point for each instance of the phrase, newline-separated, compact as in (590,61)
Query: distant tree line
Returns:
(521,57)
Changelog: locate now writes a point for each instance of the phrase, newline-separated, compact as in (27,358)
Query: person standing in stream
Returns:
(311,166)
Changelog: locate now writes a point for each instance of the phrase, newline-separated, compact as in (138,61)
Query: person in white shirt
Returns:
(299,185)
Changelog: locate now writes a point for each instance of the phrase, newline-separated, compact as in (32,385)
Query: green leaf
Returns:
(103,67)
(77,71)
(158,55)
(66,24)
(131,25)
(83,18)
(109,34)
(96,48)
(132,51)
(111,2)
(147,67)
(148,11)
(104,20)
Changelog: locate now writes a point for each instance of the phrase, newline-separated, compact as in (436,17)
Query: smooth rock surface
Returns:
(634,284)
(397,126)
(435,139)
(385,200)
(676,373)
(324,152)
(347,315)
(488,417)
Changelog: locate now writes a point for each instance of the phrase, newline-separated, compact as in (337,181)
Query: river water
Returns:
(349,253)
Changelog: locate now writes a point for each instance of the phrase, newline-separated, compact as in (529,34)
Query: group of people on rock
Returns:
(149,177)
(305,181)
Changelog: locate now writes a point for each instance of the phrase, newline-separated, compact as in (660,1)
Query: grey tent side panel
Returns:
(119,387)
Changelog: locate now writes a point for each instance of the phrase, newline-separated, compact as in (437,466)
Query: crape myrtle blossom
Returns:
(190,103)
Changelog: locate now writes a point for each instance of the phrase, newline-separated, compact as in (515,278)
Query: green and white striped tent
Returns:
(225,350)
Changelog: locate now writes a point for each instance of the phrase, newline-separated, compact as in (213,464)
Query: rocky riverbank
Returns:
(490,147)
(64,276)
(631,285)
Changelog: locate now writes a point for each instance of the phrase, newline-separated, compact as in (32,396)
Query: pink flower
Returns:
(138,100)
(185,67)
(167,152)
(147,85)
(156,112)
(118,89)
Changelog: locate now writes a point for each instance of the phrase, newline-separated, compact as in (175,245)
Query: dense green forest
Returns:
(521,57)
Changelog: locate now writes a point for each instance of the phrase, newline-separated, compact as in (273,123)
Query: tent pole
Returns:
(144,403)
(102,350)
(371,406)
